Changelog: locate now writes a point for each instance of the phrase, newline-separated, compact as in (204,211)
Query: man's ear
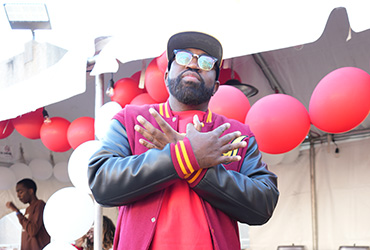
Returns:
(215,88)
(165,78)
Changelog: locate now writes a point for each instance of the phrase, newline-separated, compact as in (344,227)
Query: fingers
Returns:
(11,206)
(166,128)
(197,124)
(221,129)
(233,146)
(169,133)
(228,159)
(154,136)
(144,133)
(146,144)
(229,137)
(149,130)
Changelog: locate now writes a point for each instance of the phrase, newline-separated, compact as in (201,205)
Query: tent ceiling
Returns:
(297,68)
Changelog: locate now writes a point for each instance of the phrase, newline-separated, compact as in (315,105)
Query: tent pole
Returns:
(98,225)
(313,194)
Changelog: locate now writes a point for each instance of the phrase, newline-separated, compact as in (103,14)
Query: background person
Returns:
(34,235)
(108,235)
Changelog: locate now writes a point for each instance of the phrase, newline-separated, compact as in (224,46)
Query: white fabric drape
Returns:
(61,81)
(343,191)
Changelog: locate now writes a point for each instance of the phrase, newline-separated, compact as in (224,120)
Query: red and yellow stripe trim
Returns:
(235,151)
(183,159)
(164,110)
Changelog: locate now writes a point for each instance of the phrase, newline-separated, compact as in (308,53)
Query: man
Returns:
(182,175)
(34,235)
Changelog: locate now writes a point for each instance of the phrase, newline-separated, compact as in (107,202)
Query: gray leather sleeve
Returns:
(116,177)
(249,196)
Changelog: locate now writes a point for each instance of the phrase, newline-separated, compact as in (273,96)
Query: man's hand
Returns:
(209,147)
(11,206)
(156,138)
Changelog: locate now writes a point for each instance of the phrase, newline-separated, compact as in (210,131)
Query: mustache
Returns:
(192,70)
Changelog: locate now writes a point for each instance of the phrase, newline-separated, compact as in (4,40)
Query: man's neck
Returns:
(179,106)
(33,200)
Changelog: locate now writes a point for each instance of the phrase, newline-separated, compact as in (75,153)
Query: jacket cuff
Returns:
(184,160)
(196,177)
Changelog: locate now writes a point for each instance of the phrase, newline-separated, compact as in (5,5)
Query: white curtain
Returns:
(343,204)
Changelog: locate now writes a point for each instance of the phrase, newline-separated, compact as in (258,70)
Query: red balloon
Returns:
(226,74)
(136,76)
(341,100)
(29,125)
(280,123)
(162,62)
(125,90)
(54,134)
(230,102)
(143,98)
(154,82)
(6,128)
(81,130)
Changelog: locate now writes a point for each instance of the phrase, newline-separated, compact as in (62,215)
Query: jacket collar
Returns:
(165,111)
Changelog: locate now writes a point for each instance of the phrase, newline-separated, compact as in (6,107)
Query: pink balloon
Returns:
(143,98)
(6,128)
(54,134)
(280,123)
(154,82)
(125,90)
(136,76)
(80,131)
(230,102)
(162,62)
(341,100)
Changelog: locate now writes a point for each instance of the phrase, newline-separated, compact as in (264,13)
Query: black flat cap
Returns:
(195,40)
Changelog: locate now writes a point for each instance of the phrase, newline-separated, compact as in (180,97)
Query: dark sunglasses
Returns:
(184,57)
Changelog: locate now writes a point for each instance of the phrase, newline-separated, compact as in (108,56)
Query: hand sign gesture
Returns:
(209,147)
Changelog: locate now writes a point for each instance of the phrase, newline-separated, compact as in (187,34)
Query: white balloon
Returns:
(104,116)
(7,178)
(78,164)
(60,172)
(68,214)
(41,169)
(57,245)
(272,159)
(21,171)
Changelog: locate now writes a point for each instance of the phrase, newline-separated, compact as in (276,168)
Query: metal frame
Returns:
(292,247)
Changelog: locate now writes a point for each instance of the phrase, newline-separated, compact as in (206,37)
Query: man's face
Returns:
(189,84)
(24,194)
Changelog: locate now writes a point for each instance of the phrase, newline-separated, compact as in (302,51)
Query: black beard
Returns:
(189,93)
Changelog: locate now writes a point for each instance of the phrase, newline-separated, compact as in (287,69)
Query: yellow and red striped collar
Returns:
(165,111)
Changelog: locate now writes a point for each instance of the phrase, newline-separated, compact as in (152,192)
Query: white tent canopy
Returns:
(141,29)
(243,27)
